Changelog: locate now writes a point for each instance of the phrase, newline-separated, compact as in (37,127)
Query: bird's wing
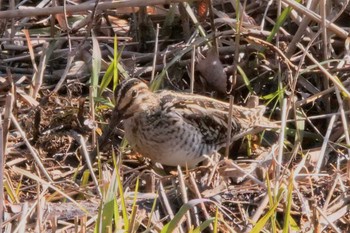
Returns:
(211,116)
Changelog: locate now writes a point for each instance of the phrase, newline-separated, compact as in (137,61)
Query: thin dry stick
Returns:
(54,224)
(324,145)
(23,220)
(53,21)
(261,208)
(212,172)
(39,75)
(91,23)
(91,221)
(324,29)
(348,170)
(39,210)
(30,49)
(69,29)
(234,165)
(281,141)
(184,196)
(329,222)
(166,203)
(76,224)
(88,162)
(32,151)
(262,25)
(338,216)
(239,13)
(193,56)
(343,118)
(199,196)
(83,220)
(66,17)
(213,28)
(6,124)
(124,40)
(299,167)
(229,128)
(279,9)
(326,53)
(331,192)
(282,135)
(82,7)
(13,21)
(65,73)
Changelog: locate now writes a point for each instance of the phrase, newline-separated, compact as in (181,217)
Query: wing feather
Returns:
(211,116)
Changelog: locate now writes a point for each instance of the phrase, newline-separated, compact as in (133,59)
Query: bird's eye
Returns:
(134,93)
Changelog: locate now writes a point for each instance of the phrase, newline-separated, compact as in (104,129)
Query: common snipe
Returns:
(178,128)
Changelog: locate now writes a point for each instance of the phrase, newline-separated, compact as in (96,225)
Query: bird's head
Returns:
(132,96)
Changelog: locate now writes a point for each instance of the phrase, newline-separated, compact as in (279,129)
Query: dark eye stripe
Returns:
(123,87)
(122,90)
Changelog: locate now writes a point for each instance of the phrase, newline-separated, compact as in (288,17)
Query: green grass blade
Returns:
(245,79)
(216,220)
(288,219)
(107,213)
(114,70)
(99,219)
(274,96)
(170,227)
(106,79)
(280,20)
(259,226)
(96,63)
(116,206)
(326,63)
(134,204)
(12,193)
(194,19)
(300,125)
(122,199)
(109,201)
(271,202)
(115,61)
(203,225)
(151,214)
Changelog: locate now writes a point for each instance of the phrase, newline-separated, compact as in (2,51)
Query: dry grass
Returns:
(56,54)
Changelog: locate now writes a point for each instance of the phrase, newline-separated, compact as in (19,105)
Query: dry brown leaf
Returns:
(202,9)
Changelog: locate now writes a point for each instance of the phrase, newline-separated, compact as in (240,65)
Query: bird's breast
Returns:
(167,139)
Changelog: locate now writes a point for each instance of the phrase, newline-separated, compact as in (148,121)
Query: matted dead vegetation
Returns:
(58,64)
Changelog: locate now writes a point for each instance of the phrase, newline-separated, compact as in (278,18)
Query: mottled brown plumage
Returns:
(177,128)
